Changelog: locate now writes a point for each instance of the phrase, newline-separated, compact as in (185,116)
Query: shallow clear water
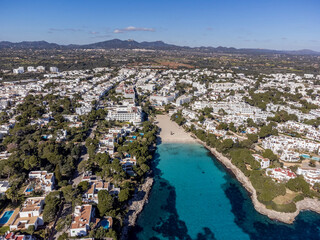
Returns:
(194,197)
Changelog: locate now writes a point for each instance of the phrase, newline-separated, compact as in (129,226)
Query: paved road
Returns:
(84,157)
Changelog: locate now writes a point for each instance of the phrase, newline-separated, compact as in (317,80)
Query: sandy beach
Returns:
(172,132)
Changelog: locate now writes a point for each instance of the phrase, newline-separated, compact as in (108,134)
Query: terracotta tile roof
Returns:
(81,216)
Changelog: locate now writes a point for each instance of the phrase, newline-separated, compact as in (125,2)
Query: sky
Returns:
(272,24)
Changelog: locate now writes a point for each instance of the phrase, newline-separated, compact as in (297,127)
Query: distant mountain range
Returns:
(157,45)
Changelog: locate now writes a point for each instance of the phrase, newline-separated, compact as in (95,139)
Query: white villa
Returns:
(81,219)
(264,162)
(280,174)
(30,214)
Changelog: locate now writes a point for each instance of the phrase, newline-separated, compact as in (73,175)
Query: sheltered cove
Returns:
(172,133)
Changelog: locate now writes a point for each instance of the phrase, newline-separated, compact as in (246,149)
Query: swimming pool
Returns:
(308,157)
(5,217)
(105,224)
(29,189)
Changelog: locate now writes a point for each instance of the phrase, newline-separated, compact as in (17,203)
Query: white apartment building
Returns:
(183,99)
(18,70)
(285,144)
(54,69)
(125,114)
(199,105)
(226,86)
(290,156)
(162,100)
(308,130)
(311,175)
(280,174)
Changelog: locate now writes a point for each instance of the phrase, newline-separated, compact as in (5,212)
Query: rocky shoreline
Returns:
(136,205)
(307,204)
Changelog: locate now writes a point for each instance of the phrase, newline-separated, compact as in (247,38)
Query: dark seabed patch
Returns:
(195,197)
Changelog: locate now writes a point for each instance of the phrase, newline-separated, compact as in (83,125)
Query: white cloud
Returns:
(133,29)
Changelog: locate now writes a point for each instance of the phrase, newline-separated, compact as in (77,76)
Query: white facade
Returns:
(54,69)
(4,186)
(81,219)
(125,114)
(280,174)
(31,69)
(311,175)
(43,180)
(183,99)
(161,100)
(18,70)
(30,214)
(264,162)
(284,145)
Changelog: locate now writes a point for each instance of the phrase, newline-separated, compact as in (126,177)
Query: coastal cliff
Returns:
(305,204)
(136,205)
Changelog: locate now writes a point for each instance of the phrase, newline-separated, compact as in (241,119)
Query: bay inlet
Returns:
(195,197)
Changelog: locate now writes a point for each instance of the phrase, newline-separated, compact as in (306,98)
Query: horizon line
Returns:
(239,48)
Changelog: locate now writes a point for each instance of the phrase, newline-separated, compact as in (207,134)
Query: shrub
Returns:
(298,198)
(288,208)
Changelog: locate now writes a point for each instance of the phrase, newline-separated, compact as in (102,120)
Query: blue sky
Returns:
(281,24)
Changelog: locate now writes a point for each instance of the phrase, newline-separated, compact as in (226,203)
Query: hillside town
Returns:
(77,145)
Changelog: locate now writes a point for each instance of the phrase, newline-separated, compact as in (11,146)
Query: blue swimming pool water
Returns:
(194,197)
(29,190)
(105,224)
(305,156)
(5,217)
(316,158)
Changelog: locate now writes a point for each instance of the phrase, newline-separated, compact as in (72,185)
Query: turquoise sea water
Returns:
(194,197)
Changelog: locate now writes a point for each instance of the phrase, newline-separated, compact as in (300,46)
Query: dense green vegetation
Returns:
(274,96)
(178,118)
(32,149)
